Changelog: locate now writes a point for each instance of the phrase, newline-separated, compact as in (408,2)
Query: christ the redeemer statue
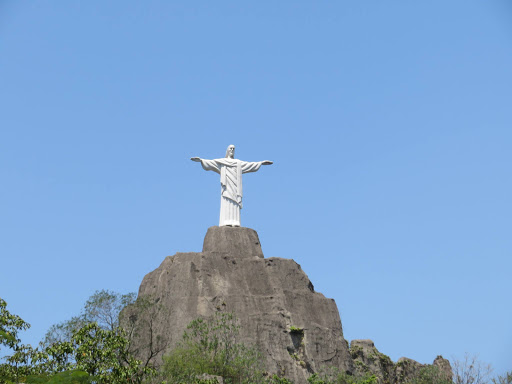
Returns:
(231,171)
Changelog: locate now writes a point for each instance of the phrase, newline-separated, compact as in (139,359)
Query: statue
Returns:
(231,171)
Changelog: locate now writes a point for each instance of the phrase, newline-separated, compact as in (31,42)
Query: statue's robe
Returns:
(231,171)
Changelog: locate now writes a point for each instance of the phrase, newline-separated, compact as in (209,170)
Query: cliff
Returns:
(297,329)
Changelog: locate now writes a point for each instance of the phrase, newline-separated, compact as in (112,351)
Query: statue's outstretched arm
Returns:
(208,165)
(253,166)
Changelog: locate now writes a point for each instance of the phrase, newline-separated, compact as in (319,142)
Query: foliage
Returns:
(19,364)
(104,354)
(100,353)
(296,330)
(103,308)
(10,325)
(274,379)
(63,331)
(66,377)
(430,375)
(335,376)
(92,354)
(210,346)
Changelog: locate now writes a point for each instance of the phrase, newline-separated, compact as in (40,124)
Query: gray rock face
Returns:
(368,360)
(406,368)
(297,329)
(444,367)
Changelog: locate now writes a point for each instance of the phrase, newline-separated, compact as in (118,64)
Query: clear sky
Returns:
(389,124)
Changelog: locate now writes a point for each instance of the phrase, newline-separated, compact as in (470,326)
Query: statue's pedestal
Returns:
(233,241)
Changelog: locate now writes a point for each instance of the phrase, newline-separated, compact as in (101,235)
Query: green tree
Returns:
(10,326)
(210,346)
(103,308)
(101,354)
(93,353)
(104,354)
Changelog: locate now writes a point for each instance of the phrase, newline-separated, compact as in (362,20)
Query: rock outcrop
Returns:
(297,329)
(444,367)
(368,360)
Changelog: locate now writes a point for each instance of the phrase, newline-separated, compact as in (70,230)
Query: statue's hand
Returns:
(195,159)
(267,162)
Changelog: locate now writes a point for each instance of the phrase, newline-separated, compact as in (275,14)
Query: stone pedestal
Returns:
(235,241)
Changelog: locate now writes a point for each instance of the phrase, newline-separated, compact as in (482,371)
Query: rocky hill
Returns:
(297,329)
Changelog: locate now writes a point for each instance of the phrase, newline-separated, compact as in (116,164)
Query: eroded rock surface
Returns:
(444,367)
(297,329)
(368,360)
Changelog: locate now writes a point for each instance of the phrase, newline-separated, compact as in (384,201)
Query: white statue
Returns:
(231,171)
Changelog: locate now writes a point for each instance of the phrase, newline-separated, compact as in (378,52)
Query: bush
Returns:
(67,377)
(430,375)
(210,346)
(335,376)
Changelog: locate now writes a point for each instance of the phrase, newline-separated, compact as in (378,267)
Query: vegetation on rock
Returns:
(429,375)
(94,348)
(296,330)
(335,376)
(210,345)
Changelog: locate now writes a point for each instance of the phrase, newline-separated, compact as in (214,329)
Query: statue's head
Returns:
(230,152)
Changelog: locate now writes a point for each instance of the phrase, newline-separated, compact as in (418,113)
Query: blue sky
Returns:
(389,124)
